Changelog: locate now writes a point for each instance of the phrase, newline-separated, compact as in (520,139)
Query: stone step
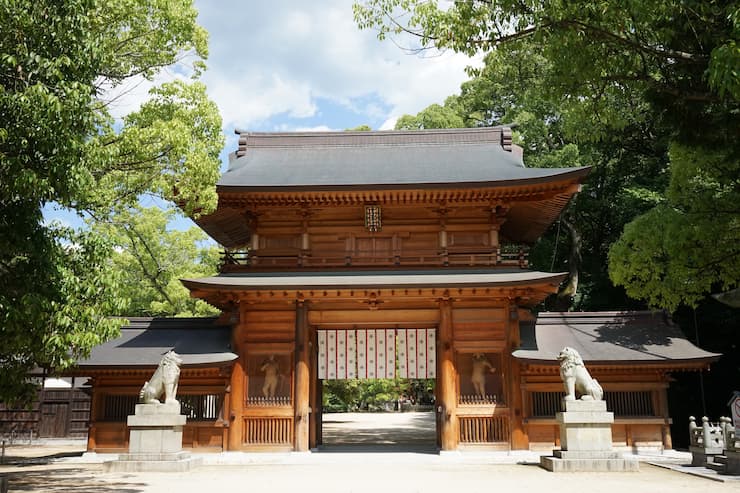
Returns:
(720,459)
(555,464)
(719,467)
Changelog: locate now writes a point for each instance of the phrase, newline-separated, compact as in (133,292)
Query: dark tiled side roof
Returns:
(199,341)
(610,338)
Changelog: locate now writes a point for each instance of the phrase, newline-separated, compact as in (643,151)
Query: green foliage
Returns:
(360,128)
(55,286)
(150,260)
(688,245)
(357,395)
(169,148)
(59,143)
(433,116)
(668,46)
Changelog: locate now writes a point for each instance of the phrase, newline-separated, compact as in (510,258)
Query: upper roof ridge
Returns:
(480,135)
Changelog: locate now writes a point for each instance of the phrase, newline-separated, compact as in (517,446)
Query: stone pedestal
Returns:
(732,462)
(701,456)
(155,441)
(586,440)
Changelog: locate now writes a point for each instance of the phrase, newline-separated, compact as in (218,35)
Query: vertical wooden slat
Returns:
(484,429)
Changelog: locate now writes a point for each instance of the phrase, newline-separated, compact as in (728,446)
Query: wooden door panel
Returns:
(54,418)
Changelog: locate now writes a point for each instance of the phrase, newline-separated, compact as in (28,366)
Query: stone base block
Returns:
(176,462)
(701,456)
(156,415)
(581,462)
(585,426)
(579,406)
(154,456)
(732,463)
(172,407)
(155,439)
(577,455)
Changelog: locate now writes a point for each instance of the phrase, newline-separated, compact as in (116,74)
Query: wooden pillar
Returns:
(519,437)
(225,412)
(95,405)
(315,391)
(302,378)
(236,401)
(319,410)
(662,406)
(447,405)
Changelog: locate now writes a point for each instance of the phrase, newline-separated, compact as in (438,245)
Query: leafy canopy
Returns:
(150,259)
(59,144)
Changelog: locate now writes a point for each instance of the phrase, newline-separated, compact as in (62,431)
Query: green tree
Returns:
(60,144)
(360,128)
(149,260)
(675,63)
(433,116)
(626,176)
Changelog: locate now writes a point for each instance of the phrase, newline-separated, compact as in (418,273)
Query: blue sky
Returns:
(291,65)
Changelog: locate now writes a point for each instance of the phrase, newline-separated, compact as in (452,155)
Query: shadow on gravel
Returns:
(19,460)
(65,480)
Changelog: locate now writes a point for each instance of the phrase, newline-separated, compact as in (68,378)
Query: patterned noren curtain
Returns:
(417,352)
(371,353)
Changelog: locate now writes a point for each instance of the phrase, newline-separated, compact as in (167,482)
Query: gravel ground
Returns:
(386,463)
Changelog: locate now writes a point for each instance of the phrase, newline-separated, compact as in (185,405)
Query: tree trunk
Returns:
(564,298)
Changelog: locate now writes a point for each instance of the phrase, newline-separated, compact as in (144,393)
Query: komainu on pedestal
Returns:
(155,428)
(585,424)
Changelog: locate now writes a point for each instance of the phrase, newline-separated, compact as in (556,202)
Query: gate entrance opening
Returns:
(377,389)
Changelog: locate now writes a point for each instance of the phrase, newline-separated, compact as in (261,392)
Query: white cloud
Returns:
(389,124)
(317,128)
(284,56)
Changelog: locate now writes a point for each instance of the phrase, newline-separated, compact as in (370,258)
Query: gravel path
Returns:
(344,466)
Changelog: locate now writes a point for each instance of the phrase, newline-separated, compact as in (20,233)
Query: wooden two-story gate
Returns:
(382,242)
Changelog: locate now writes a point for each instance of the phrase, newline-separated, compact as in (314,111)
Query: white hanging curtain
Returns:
(417,352)
(371,353)
(376,353)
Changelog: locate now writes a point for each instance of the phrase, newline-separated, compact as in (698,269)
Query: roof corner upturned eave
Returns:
(639,338)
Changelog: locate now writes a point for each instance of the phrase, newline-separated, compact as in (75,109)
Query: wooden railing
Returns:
(622,404)
(268,431)
(484,429)
(475,399)
(506,256)
(197,407)
(268,401)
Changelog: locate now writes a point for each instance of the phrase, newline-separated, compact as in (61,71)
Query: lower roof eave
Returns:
(357,280)
(674,365)
(87,369)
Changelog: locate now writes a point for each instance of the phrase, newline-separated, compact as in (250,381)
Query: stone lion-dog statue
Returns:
(576,378)
(163,382)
